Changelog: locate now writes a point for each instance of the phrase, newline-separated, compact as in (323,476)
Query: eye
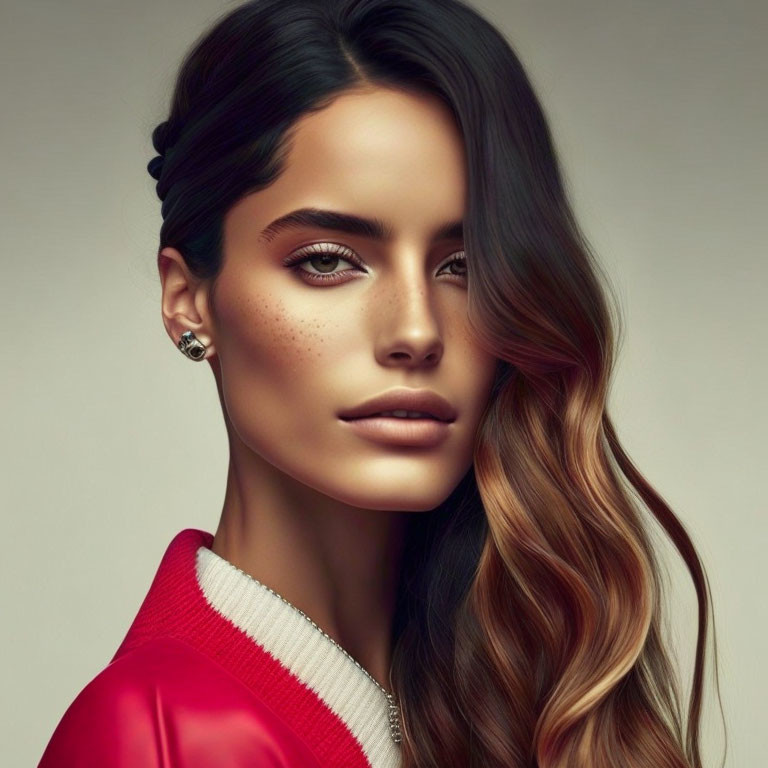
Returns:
(458,260)
(323,258)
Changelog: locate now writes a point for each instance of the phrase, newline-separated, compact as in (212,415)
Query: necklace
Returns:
(394,709)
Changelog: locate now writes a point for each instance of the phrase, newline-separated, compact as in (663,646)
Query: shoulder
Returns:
(165,704)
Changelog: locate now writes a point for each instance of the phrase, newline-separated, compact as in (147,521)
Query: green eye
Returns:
(460,262)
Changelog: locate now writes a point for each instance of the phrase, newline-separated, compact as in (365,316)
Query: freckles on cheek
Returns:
(271,332)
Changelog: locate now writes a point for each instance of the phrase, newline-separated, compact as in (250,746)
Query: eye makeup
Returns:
(333,253)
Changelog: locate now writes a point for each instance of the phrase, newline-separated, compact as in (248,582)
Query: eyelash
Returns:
(305,254)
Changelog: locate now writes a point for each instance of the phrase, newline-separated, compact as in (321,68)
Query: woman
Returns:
(430,551)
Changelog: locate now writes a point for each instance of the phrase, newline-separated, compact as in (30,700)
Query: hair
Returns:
(528,624)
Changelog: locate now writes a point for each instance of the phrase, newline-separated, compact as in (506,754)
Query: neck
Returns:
(337,563)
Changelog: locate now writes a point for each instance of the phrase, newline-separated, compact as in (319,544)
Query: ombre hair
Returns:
(528,625)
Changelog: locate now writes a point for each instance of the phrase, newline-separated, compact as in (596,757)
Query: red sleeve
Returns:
(166,705)
(109,724)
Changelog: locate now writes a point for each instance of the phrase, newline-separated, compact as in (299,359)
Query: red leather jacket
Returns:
(217,670)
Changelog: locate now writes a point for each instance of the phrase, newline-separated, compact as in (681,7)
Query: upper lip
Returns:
(404,399)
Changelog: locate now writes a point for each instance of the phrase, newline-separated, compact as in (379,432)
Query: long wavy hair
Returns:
(528,625)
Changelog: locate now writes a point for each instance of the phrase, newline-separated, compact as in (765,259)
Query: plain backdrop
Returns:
(112,441)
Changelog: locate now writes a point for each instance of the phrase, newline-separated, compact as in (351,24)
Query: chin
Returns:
(394,492)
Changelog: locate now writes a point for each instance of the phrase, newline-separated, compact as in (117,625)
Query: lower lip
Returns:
(425,433)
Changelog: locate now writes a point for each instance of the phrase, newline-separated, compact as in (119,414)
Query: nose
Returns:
(409,333)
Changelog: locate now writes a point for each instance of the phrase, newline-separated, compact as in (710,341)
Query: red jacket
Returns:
(218,670)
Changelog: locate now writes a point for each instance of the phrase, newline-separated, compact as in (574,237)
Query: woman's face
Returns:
(315,317)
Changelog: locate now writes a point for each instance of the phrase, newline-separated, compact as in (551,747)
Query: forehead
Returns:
(391,154)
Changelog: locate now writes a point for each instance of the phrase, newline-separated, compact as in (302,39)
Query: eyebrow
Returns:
(374,229)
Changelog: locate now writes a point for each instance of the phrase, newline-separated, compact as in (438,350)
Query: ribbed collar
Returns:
(206,601)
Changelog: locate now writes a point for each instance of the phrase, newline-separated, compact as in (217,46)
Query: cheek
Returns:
(268,356)
(262,334)
(275,347)
(479,368)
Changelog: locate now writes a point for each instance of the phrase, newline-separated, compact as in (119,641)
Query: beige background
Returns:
(112,441)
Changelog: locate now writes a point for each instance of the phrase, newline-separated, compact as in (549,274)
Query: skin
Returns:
(311,509)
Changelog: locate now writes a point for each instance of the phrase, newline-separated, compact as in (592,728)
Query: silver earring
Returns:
(191,346)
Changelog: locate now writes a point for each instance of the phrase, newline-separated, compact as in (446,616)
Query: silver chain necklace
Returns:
(394,709)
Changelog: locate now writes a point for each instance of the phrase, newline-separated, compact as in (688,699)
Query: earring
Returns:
(191,346)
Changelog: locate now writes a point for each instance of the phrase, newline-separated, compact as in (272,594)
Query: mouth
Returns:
(403,417)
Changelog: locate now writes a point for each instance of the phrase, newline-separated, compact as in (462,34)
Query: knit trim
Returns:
(288,636)
(176,607)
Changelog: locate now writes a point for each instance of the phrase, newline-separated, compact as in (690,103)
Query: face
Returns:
(315,317)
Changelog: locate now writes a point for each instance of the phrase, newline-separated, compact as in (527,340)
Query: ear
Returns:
(184,300)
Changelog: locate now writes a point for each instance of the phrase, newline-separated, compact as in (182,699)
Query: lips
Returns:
(402,401)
